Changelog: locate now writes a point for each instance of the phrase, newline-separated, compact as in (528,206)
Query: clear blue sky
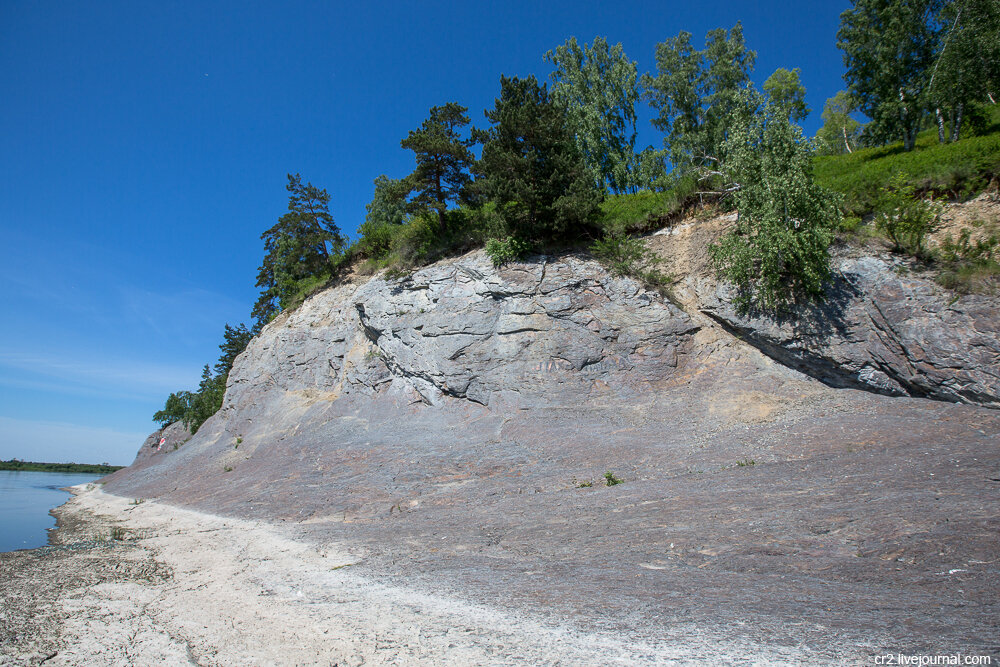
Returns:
(145,146)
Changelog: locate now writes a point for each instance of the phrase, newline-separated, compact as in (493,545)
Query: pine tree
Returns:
(531,166)
(234,341)
(298,247)
(443,160)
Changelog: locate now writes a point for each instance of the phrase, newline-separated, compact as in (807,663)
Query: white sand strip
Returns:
(242,594)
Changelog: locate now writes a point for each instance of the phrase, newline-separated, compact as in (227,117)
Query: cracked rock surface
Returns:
(883,329)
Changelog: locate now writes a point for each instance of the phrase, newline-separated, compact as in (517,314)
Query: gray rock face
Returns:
(160,442)
(882,329)
(465,330)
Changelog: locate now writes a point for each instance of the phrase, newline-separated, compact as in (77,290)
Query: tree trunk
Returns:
(940,122)
(908,134)
(847,144)
(956,126)
(439,193)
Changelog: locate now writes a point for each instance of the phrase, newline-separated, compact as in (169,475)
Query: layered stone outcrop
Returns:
(544,330)
(882,328)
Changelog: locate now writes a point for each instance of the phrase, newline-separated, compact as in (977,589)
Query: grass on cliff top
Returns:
(954,170)
(645,211)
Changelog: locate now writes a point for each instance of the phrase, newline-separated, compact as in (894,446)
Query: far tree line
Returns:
(553,150)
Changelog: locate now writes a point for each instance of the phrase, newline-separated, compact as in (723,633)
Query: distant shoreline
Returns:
(35,466)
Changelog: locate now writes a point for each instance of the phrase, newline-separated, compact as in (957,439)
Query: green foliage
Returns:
(623,255)
(777,253)
(34,466)
(207,400)
(967,67)
(531,167)
(385,213)
(983,249)
(176,408)
(297,291)
(694,92)
(906,218)
(645,210)
(193,408)
(416,241)
(234,341)
(611,480)
(785,90)
(746,463)
(905,58)
(598,87)
(296,248)
(840,132)
(956,169)
(849,224)
(967,266)
(421,240)
(443,160)
(506,250)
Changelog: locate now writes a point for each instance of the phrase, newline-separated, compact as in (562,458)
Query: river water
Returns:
(25,501)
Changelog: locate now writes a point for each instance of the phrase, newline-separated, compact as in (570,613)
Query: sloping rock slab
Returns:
(881,329)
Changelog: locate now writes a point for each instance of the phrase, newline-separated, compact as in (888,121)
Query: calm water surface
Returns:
(25,501)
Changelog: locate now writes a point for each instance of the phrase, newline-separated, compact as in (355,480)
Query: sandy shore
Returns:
(151,584)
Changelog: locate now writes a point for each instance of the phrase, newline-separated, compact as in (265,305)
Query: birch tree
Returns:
(777,253)
(889,48)
(599,86)
(694,92)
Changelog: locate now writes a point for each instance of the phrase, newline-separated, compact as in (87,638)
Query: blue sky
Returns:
(145,147)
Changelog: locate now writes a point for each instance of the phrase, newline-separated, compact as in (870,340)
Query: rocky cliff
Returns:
(454,429)
(884,326)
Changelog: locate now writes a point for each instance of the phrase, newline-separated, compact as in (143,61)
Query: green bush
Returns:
(506,250)
(966,266)
(302,289)
(415,241)
(623,255)
(983,249)
(849,224)
(905,217)
(376,239)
